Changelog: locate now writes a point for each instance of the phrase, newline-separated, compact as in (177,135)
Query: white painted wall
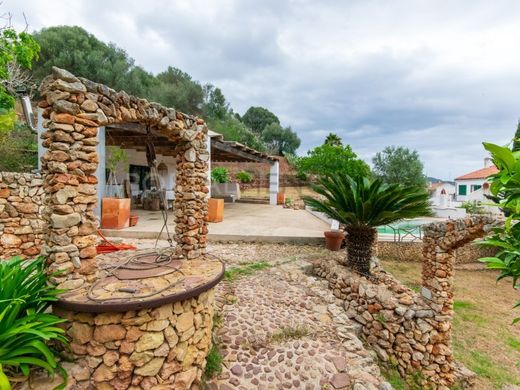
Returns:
(443,200)
(139,158)
(478,194)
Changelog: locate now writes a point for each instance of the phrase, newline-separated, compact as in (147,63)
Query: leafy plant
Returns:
(472,207)
(116,156)
(362,204)
(25,326)
(220,175)
(18,149)
(213,363)
(328,159)
(505,190)
(244,177)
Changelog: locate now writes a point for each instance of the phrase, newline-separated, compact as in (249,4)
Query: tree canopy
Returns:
(280,140)
(334,140)
(399,165)
(329,159)
(257,118)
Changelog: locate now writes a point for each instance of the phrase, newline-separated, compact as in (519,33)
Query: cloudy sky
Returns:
(438,76)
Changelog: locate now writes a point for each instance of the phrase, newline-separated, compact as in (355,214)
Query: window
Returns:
(475,187)
(462,189)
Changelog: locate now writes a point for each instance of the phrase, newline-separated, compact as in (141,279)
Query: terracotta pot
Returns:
(333,239)
(115,213)
(133,220)
(215,210)
(280,198)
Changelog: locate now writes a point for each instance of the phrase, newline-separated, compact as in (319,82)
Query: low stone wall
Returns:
(398,323)
(409,330)
(162,348)
(21,226)
(412,251)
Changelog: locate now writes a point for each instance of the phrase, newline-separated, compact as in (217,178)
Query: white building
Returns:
(474,185)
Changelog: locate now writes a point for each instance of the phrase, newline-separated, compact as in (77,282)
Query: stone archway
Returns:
(74,109)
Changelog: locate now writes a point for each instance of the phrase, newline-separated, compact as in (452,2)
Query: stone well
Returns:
(125,336)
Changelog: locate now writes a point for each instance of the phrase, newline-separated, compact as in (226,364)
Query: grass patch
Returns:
(289,333)
(482,364)
(218,320)
(468,312)
(513,343)
(233,273)
(411,382)
(213,363)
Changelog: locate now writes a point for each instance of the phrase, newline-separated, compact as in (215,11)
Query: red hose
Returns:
(109,247)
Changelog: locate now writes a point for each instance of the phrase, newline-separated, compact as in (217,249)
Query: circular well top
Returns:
(134,280)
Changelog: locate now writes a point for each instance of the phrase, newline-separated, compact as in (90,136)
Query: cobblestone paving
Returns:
(282,329)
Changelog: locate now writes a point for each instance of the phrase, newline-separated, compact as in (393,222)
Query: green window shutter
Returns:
(462,189)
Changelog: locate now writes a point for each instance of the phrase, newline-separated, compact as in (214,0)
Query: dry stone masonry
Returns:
(21,203)
(74,108)
(409,330)
(161,348)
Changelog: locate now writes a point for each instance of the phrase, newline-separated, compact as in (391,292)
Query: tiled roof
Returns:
(479,174)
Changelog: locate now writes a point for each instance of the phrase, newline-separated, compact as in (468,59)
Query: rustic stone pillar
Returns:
(69,182)
(191,191)
(440,241)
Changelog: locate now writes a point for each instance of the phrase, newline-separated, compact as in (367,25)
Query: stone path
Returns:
(282,329)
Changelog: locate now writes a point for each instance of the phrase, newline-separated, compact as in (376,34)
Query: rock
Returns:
(184,321)
(65,221)
(66,107)
(141,358)
(190,155)
(10,241)
(89,106)
(151,368)
(171,336)
(104,333)
(184,380)
(340,380)
(104,373)
(81,333)
(63,74)
(65,86)
(71,284)
(150,340)
(108,318)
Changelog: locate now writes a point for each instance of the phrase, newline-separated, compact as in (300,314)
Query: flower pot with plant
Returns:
(115,207)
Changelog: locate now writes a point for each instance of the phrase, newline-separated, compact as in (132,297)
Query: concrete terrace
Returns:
(242,222)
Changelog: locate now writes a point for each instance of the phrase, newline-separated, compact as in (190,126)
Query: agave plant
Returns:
(362,204)
(25,326)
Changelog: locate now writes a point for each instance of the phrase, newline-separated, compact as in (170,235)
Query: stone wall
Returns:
(162,348)
(21,203)
(412,251)
(406,329)
(73,109)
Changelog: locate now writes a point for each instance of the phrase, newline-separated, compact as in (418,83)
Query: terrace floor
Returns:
(242,222)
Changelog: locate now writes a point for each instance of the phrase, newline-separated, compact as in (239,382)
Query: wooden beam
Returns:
(135,127)
(221,146)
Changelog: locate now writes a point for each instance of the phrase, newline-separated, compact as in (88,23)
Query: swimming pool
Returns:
(410,228)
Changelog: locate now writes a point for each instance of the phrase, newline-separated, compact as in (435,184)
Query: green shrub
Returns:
(472,207)
(25,325)
(244,177)
(220,175)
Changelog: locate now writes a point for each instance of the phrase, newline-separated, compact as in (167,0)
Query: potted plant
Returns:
(115,207)
(334,239)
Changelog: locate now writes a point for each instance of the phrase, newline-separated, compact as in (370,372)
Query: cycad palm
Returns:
(363,204)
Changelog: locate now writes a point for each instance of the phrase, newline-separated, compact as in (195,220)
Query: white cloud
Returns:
(439,77)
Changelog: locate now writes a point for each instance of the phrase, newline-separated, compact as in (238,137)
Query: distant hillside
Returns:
(435,180)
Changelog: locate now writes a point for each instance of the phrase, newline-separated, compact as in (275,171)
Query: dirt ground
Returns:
(484,338)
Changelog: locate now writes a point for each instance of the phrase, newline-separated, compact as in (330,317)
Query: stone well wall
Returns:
(413,251)
(410,330)
(163,348)
(21,203)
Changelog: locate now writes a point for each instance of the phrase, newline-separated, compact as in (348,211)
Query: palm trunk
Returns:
(360,240)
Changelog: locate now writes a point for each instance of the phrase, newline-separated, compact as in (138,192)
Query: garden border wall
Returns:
(21,224)
(409,330)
